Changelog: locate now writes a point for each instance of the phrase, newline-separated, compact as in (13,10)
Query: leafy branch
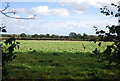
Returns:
(108,12)
(112,52)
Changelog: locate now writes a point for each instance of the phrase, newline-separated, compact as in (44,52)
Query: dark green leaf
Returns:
(99,44)
(4,30)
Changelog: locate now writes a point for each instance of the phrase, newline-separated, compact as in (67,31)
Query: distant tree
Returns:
(54,36)
(84,34)
(35,35)
(47,35)
(72,35)
(41,35)
(23,35)
(79,36)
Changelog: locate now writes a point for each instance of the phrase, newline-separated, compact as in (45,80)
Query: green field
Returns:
(58,60)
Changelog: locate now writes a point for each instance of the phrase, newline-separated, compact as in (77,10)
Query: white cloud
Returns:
(40,10)
(20,10)
(44,10)
(80,6)
(61,12)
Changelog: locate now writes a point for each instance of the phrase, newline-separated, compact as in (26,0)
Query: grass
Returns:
(58,60)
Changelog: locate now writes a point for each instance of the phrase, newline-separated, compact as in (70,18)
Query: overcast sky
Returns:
(58,17)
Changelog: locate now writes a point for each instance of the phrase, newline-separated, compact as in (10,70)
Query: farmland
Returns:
(58,60)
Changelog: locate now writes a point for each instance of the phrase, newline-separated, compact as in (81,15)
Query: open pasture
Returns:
(58,60)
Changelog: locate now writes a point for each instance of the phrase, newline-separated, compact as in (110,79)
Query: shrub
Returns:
(8,47)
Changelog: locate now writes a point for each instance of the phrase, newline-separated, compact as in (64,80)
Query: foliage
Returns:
(72,35)
(112,52)
(23,35)
(8,47)
(84,34)
(2,28)
(35,35)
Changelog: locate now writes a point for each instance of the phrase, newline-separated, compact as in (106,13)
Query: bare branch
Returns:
(13,12)
(18,17)
(5,7)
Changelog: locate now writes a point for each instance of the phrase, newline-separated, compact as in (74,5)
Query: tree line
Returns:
(72,35)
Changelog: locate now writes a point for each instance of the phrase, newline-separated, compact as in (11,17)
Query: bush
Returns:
(8,47)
